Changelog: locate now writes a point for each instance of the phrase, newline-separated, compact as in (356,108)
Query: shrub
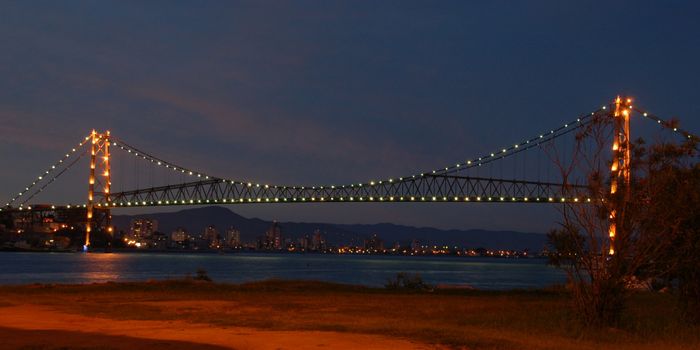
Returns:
(404,281)
(202,275)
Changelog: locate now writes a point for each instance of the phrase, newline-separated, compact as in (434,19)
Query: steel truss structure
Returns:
(424,188)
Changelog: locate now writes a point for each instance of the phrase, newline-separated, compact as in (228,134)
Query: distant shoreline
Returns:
(257,252)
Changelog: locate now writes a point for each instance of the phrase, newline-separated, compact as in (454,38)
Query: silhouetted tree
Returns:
(657,236)
(666,208)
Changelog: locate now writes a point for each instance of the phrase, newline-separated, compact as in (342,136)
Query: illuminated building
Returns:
(272,240)
(233,237)
(179,237)
(305,243)
(415,245)
(142,229)
(318,243)
(374,244)
(211,237)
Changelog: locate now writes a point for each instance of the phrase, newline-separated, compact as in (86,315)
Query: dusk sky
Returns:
(305,92)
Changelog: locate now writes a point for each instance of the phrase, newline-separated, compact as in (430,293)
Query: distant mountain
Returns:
(195,220)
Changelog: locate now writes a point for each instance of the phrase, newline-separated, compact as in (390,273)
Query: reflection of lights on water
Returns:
(104,267)
(99,276)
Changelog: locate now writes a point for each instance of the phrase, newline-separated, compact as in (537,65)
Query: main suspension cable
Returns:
(474,162)
(50,170)
(54,178)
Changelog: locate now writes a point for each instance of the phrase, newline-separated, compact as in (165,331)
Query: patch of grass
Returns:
(202,275)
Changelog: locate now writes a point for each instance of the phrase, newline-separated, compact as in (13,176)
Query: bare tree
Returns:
(580,245)
(658,220)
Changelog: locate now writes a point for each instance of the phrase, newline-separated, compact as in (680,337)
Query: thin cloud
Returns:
(282,135)
(23,129)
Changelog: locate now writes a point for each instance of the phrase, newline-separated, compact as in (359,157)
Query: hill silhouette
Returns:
(196,219)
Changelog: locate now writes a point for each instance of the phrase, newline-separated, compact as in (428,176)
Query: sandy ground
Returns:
(31,326)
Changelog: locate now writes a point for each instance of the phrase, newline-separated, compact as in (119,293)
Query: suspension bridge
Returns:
(481,179)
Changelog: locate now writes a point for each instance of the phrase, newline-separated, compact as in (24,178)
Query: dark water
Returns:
(482,273)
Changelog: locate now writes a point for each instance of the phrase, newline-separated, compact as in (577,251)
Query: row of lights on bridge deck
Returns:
(351,199)
(467,164)
(48,171)
(322,199)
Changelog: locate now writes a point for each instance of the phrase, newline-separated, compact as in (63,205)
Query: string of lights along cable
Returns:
(528,171)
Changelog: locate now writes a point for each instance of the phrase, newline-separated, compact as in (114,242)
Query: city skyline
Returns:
(254,230)
(143,234)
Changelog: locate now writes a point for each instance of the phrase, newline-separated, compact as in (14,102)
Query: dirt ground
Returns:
(39,327)
(186,314)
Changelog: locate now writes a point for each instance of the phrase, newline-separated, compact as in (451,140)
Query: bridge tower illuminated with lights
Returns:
(100,164)
(480,179)
(621,173)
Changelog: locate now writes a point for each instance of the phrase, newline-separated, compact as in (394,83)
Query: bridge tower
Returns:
(620,169)
(100,164)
